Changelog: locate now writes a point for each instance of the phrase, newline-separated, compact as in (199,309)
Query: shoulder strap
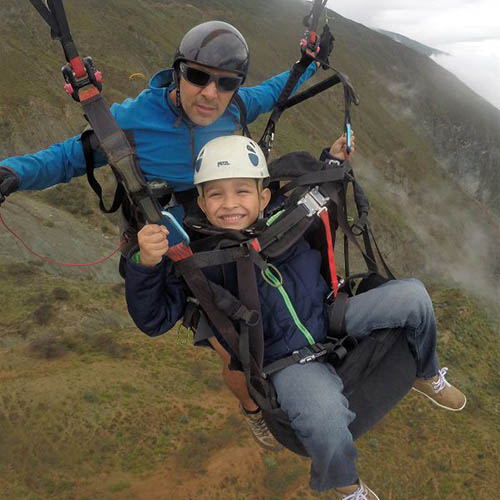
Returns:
(243,114)
(89,145)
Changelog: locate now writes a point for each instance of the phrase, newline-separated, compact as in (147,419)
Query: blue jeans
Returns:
(311,394)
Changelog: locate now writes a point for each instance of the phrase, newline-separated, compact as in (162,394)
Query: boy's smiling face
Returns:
(233,203)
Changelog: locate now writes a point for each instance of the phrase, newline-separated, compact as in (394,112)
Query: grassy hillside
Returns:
(90,409)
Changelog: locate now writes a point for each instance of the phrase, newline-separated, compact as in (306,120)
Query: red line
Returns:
(46,259)
(331,257)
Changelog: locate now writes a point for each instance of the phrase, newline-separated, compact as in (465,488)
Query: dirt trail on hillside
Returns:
(229,472)
(237,471)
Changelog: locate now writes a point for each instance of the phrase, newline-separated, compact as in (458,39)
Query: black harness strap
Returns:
(88,153)
(54,15)
(284,224)
(216,257)
(326,175)
(200,287)
(243,114)
(249,296)
(298,69)
(336,315)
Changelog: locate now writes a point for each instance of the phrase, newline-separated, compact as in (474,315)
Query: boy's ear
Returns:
(201,203)
(265,197)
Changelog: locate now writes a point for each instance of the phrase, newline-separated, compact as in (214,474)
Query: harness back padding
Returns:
(376,374)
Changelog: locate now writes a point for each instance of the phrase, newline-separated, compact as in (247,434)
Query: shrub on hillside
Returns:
(43,314)
(47,346)
(106,343)
(60,293)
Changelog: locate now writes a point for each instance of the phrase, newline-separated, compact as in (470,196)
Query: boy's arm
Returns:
(155,296)
(261,98)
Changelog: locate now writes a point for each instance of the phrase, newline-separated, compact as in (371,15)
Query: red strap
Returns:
(256,245)
(179,252)
(331,257)
(78,67)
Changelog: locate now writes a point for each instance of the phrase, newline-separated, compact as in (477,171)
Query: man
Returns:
(183,108)
(169,123)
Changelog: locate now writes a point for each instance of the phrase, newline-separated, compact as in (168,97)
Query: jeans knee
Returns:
(327,424)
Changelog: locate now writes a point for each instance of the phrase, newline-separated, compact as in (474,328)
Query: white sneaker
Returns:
(358,491)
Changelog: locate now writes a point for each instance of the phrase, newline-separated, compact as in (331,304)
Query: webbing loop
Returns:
(277,282)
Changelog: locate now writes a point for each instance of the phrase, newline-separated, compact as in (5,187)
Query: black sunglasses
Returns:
(201,78)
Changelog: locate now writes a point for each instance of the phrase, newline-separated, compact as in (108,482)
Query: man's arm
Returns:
(261,98)
(54,165)
(59,163)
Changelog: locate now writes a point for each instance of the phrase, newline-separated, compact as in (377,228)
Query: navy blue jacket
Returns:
(156,299)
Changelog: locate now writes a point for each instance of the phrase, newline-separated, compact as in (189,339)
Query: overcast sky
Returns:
(469,30)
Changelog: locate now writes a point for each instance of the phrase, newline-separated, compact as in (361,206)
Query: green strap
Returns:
(136,258)
(277,282)
(274,217)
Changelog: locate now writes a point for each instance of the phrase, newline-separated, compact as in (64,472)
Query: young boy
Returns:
(229,175)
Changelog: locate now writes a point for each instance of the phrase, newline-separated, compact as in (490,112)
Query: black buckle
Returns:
(309,353)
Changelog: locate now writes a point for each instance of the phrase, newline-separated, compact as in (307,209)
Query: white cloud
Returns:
(467,29)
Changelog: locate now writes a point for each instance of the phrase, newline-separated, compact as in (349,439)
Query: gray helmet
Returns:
(216,44)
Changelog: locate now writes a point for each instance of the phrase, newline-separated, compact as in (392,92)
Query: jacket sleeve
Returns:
(261,98)
(58,163)
(54,165)
(155,296)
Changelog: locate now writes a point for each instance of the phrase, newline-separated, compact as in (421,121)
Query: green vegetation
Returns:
(91,409)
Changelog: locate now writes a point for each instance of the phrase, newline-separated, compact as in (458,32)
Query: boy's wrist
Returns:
(138,258)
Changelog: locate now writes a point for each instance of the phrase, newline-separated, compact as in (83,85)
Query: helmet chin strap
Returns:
(178,103)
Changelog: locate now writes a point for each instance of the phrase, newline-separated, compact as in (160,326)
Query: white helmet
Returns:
(229,157)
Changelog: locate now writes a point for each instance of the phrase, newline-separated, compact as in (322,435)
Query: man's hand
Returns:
(339,147)
(9,182)
(153,244)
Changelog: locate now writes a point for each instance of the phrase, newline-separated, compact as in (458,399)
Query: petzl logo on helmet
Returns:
(223,163)
(252,155)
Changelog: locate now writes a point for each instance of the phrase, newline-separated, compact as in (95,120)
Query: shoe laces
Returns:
(260,426)
(359,494)
(441,383)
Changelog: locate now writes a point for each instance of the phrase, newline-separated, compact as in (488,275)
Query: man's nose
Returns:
(210,91)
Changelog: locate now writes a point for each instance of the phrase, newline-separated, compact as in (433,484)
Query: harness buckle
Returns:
(313,201)
(74,83)
(309,353)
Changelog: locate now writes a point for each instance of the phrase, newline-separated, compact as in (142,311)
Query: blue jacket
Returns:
(166,148)
(156,299)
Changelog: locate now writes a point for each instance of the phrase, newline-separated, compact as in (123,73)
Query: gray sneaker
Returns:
(260,432)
